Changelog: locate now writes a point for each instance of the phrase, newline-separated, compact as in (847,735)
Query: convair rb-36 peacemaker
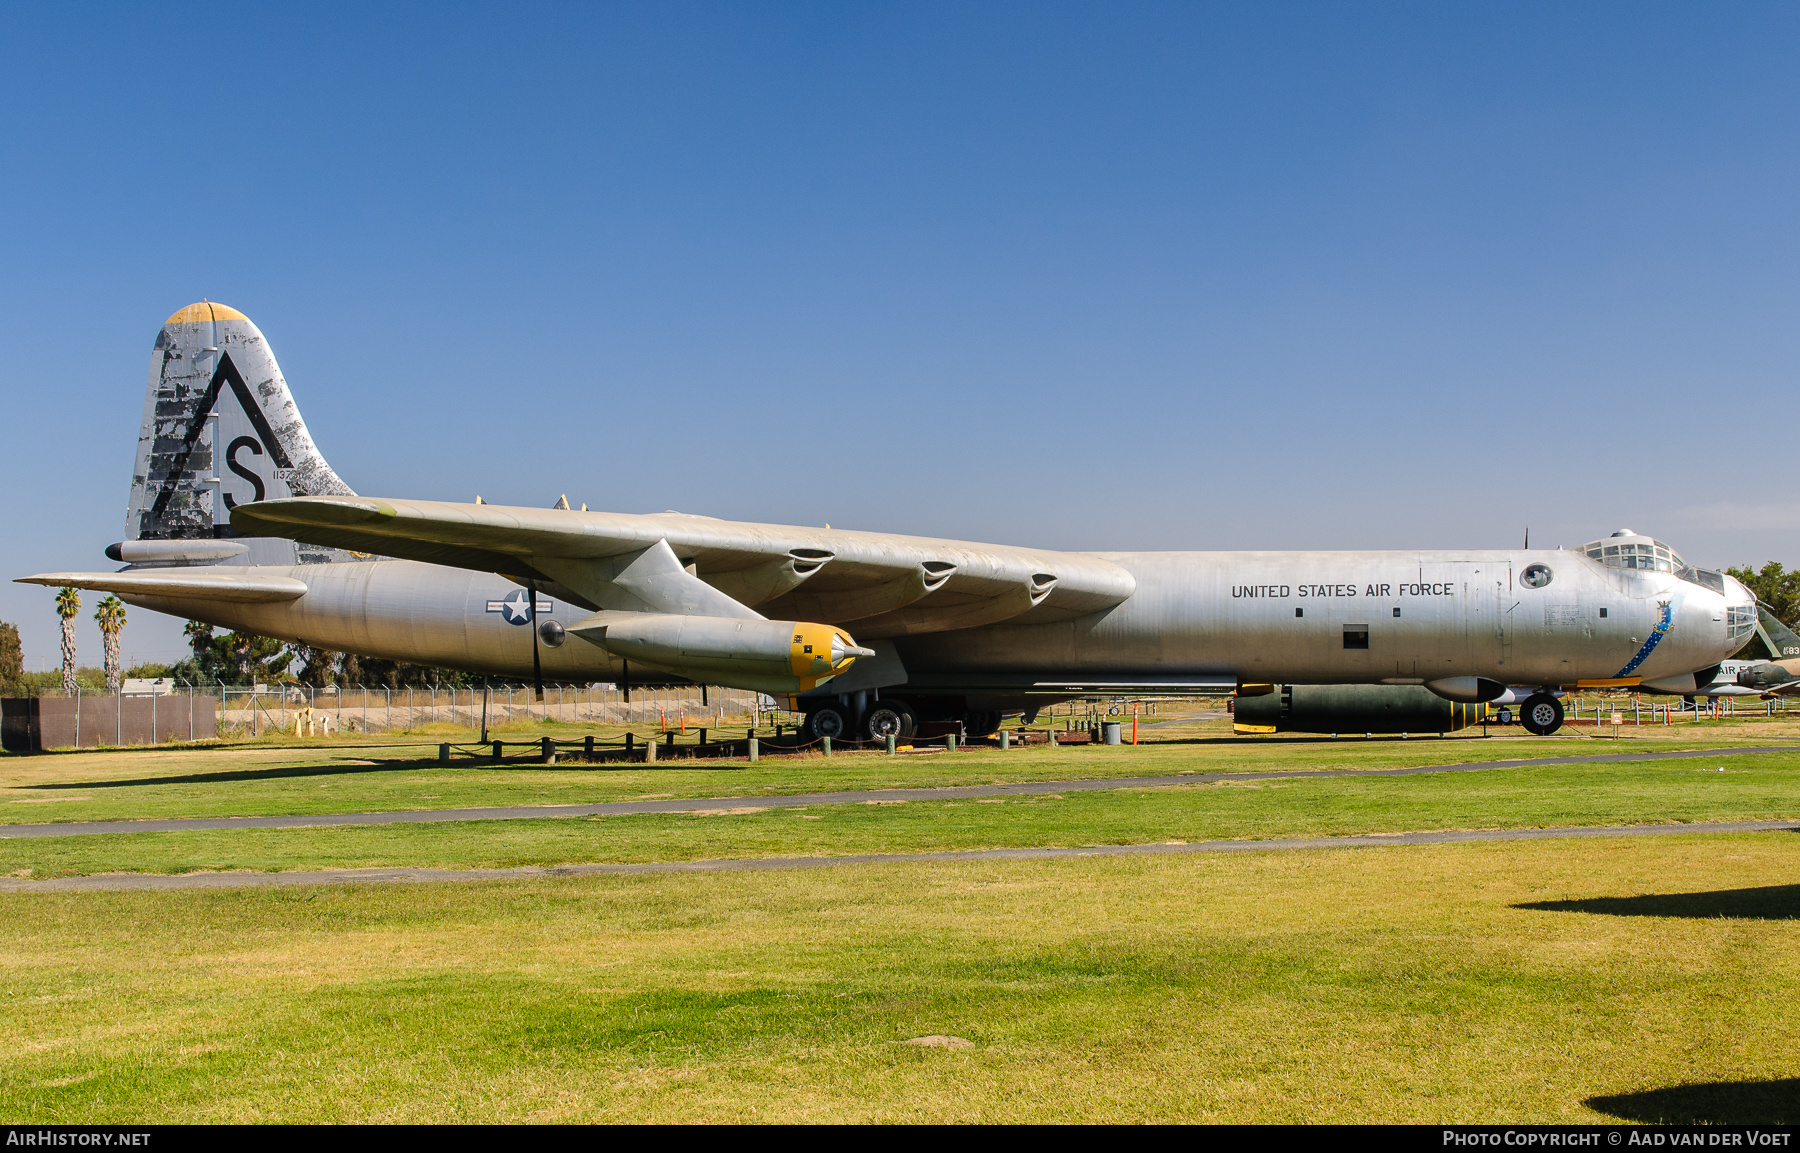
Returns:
(237,520)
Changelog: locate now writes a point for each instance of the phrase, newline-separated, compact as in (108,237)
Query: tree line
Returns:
(247,658)
(216,658)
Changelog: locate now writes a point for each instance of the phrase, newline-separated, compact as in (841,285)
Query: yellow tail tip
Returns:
(205,310)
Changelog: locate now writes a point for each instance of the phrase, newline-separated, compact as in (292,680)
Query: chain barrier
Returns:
(602,750)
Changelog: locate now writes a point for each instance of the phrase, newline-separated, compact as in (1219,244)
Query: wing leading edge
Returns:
(246,585)
(886,584)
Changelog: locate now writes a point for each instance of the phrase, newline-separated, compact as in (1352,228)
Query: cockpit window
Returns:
(1627,550)
(1705,578)
(1640,553)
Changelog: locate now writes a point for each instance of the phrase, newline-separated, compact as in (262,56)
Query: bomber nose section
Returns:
(1740,613)
(1727,617)
(1713,617)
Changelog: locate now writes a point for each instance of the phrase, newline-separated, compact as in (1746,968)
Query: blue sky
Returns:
(1097,276)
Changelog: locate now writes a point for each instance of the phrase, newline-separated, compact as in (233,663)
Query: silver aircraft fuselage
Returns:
(1370,617)
(1195,618)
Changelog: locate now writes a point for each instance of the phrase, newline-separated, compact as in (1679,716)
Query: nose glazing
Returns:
(1740,613)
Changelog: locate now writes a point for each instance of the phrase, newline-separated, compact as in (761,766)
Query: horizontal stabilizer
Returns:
(211,584)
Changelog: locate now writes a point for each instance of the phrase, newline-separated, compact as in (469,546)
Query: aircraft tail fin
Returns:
(220,429)
(1781,640)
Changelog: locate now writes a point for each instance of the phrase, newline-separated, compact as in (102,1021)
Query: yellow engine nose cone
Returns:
(821,651)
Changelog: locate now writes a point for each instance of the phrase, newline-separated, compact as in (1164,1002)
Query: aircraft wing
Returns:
(886,584)
(211,584)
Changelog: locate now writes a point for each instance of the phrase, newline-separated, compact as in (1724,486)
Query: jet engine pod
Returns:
(764,656)
(1467,690)
(171,552)
(1354,709)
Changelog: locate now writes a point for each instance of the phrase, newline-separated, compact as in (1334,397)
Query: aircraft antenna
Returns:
(1527,538)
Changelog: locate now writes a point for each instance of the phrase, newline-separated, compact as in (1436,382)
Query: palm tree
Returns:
(68,603)
(110,616)
(199,635)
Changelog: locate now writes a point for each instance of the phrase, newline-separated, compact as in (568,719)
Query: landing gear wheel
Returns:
(827,721)
(982,724)
(1542,714)
(889,719)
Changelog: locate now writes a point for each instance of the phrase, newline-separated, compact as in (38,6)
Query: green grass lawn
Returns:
(1474,983)
(1766,786)
(1477,982)
(361,774)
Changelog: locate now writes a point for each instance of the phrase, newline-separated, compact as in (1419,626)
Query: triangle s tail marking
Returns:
(225,373)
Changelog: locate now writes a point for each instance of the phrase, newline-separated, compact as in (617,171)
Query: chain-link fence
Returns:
(307,711)
(191,713)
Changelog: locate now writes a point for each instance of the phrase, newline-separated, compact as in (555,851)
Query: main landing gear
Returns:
(827,721)
(1541,714)
(982,723)
(882,719)
(889,719)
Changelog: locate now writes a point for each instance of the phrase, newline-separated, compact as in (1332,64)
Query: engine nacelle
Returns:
(1353,709)
(763,656)
(172,552)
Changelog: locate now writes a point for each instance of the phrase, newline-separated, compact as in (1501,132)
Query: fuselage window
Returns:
(1356,636)
(1602,614)
(1299,612)
(1396,610)
(1535,576)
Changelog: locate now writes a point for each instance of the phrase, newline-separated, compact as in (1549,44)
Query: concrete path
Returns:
(948,793)
(366,876)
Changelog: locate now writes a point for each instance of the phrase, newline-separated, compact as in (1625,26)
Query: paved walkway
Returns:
(949,793)
(367,876)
